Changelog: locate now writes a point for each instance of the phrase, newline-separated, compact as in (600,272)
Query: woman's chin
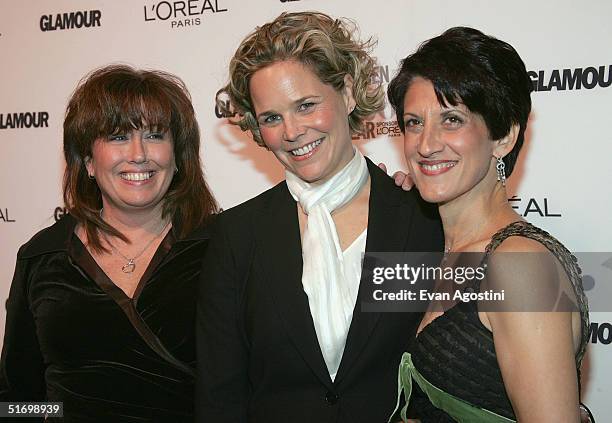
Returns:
(433,196)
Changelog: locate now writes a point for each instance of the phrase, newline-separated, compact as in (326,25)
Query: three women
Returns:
(281,335)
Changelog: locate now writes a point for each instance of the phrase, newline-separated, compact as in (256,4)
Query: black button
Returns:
(331,397)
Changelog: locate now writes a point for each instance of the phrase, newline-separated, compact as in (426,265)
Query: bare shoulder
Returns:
(519,259)
(527,273)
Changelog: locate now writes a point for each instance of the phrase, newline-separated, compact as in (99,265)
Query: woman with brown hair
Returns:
(281,333)
(101,308)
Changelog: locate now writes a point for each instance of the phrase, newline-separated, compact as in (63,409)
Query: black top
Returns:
(456,352)
(73,336)
(258,355)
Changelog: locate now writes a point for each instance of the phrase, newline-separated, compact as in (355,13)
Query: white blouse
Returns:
(351,264)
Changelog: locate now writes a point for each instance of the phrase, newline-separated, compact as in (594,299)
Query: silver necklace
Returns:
(130,264)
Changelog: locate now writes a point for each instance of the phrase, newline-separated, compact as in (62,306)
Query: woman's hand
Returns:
(401,179)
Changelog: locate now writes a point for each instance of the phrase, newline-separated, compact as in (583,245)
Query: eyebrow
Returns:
(298,101)
(445,112)
(453,109)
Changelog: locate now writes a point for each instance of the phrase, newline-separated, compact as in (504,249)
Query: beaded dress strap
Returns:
(565,257)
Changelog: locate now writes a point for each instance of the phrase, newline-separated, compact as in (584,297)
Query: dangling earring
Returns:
(501,170)
(175,169)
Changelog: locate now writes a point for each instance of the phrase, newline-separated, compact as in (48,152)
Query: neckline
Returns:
(95,272)
(359,238)
(488,249)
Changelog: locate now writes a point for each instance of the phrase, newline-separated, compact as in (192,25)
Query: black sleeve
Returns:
(22,369)
(222,380)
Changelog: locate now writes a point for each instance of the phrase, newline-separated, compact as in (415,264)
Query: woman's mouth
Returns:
(136,176)
(306,151)
(437,167)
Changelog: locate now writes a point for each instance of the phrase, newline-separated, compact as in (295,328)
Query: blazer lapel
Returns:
(278,241)
(389,219)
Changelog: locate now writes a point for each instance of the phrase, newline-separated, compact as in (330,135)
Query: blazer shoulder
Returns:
(384,187)
(259,203)
(238,222)
(426,226)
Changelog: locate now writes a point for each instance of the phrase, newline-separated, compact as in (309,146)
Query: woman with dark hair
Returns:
(281,335)
(101,308)
(463,101)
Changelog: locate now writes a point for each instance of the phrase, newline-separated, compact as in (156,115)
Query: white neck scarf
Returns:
(330,299)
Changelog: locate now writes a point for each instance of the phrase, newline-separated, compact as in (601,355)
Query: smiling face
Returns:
(134,169)
(448,150)
(303,121)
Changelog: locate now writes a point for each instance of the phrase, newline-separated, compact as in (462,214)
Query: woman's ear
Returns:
(89,167)
(347,93)
(504,145)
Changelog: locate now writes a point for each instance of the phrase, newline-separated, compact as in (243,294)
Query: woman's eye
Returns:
(412,122)
(453,120)
(155,136)
(117,137)
(271,119)
(306,106)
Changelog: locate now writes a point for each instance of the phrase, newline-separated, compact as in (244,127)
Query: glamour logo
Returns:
(227,113)
(70,20)
(367,132)
(181,13)
(59,212)
(5,217)
(221,114)
(380,75)
(532,205)
(600,333)
(383,126)
(24,120)
(571,79)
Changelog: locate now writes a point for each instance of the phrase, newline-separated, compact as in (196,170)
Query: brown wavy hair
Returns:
(120,98)
(314,39)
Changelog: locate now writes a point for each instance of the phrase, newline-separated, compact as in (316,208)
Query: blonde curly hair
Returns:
(316,40)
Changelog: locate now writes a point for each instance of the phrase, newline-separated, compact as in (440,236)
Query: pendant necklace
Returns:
(130,264)
(447,250)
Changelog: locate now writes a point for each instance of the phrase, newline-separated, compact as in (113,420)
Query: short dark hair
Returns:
(485,74)
(118,98)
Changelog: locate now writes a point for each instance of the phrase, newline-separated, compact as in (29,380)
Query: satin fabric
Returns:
(331,294)
(73,336)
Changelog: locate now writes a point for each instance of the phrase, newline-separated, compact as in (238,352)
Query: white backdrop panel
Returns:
(561,183)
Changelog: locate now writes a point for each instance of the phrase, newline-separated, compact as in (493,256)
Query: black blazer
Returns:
(258,355)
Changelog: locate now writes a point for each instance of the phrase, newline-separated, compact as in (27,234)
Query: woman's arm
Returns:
(222,384)
(22,369)
(534,346)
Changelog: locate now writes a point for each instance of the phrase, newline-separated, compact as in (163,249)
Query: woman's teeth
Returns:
(306,149)
(438,166)
(140,176)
